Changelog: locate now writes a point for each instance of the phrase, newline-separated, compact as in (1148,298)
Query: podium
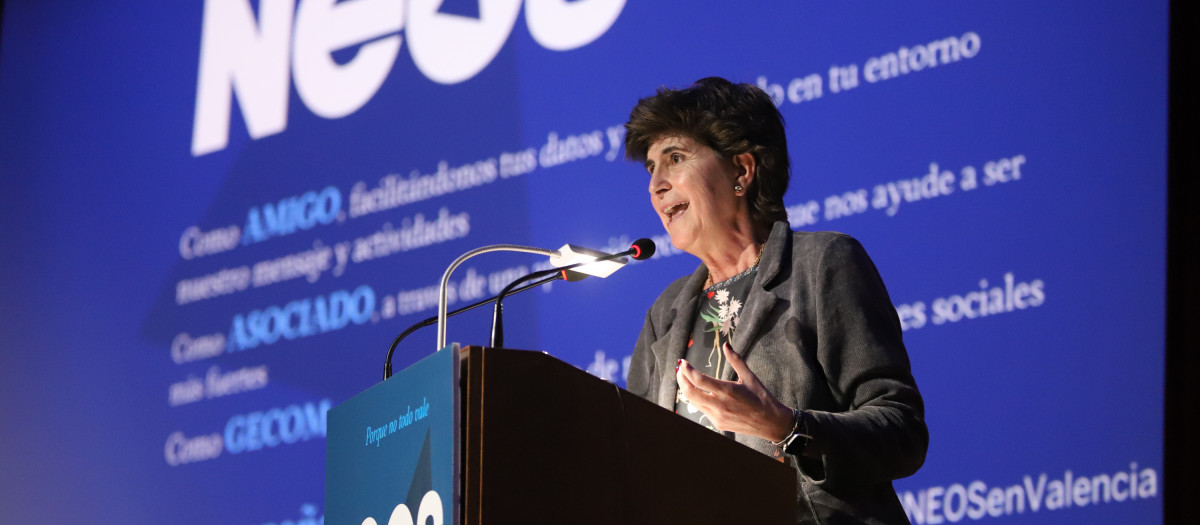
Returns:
(512,436)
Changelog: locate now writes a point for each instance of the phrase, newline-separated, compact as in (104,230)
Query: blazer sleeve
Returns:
(878,432)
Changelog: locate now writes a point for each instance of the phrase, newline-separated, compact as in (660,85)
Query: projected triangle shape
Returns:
(422,480)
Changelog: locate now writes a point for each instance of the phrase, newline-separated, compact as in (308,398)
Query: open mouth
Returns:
(675,211)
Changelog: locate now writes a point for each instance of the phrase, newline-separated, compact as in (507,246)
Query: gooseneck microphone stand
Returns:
(387,364)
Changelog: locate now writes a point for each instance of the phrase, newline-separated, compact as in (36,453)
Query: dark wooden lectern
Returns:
(546,443)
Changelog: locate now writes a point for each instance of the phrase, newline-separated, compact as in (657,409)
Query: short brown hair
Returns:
(730,119)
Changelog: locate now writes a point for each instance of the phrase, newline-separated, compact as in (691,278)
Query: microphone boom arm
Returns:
(387,364)
(640,250)
(441,321)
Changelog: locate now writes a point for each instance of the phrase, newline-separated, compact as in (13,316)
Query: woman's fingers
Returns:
(743,372)
(715,398)
(688,389)
(745,376)
(744,407)
(704,382)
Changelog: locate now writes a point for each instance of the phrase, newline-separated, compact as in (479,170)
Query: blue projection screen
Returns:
(217,215)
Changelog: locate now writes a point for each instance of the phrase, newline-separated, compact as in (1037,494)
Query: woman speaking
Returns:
(787,340)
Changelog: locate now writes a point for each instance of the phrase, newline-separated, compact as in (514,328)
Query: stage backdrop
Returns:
(217,214)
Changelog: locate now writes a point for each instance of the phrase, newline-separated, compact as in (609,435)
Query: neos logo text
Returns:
(257,58)
(429,509)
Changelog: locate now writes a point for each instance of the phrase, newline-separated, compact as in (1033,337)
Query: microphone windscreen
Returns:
(643,249)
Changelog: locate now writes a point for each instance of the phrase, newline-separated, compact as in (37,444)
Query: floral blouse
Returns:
(716,320)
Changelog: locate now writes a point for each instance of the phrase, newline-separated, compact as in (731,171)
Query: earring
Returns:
(737,188)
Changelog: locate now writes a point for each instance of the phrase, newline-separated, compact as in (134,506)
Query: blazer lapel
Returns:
(672,348)
(760,300)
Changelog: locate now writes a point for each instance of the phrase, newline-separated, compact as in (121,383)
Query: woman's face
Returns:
(692,192)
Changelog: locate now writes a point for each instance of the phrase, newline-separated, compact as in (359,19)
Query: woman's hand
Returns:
(743,406)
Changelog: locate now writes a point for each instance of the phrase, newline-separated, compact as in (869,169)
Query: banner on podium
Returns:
(391,450)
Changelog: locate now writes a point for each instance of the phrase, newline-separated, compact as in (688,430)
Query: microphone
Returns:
(640,250)
(566,275)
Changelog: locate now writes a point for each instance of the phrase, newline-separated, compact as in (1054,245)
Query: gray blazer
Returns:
(820,332)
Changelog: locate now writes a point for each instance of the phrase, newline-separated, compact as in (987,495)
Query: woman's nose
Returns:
(658,185)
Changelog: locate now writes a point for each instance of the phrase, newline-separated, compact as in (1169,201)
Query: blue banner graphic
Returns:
(391,453)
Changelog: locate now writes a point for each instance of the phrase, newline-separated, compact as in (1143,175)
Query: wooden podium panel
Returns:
(544,442)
